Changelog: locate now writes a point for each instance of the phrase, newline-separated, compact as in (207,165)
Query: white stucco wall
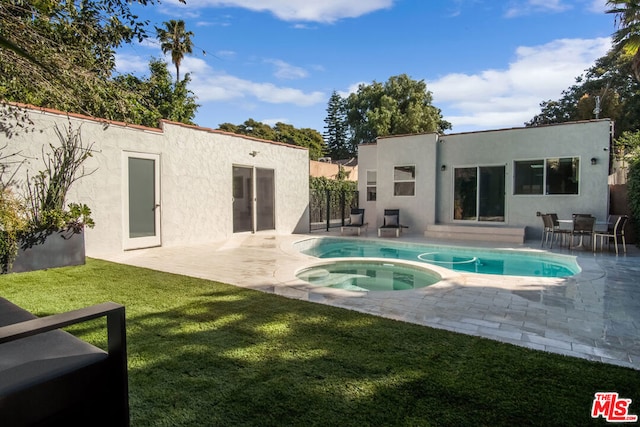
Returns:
(493,148)
(411,150)
(195,177)
(433,202)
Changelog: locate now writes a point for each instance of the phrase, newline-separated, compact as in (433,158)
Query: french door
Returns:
(141,200)
(253,199)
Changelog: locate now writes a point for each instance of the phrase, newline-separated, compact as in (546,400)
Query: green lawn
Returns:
(203,353)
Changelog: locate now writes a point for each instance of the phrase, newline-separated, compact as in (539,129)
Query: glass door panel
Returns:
(491,194)
(242,199)
(465,194)
(265,192)
(142,200)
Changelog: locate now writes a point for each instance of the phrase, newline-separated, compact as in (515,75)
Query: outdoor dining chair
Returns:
(582,226)
(555,230)
(617,234)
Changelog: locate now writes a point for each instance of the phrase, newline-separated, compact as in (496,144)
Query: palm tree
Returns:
(627,39)
(173,38)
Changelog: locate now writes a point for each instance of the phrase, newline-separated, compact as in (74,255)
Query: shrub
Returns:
(13,223)
(633,188)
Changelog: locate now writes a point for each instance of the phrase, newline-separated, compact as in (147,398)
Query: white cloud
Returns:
(209,85)
(126,63)
(598,6)
(536,6)
(287,71)
(272,122)
(326,11)
(351,89)
(510,97)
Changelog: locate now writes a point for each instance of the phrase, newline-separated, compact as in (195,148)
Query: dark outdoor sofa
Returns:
(49,377)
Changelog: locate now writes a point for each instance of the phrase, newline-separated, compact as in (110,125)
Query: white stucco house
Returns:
(174,185)
(488,184)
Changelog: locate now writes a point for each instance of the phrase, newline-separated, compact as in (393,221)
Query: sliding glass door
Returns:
(479,194)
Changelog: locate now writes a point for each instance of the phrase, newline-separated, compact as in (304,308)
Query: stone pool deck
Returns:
(593,315)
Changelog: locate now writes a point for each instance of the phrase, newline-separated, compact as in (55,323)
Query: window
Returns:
(529,177)
(404,181)
(372,180)
(553,175)
(479,194)
(562,175)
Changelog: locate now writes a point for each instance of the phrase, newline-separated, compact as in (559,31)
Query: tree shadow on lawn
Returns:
(240,357)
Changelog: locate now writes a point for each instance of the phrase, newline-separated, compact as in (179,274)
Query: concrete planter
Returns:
(58,249)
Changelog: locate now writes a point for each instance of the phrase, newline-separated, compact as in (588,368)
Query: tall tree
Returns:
(335,135)
(60,54)
(175,39)
(627,38)
(281,132)
(160,97)
(399,106)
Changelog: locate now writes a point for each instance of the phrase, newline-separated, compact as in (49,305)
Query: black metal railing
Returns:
(328,208)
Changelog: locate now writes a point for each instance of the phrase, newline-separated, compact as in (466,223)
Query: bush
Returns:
(13,224)
(633,188)
(29,222)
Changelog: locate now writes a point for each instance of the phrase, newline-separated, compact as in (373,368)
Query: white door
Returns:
(141,200)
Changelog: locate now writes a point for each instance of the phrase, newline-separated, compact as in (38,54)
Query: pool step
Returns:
(475,233)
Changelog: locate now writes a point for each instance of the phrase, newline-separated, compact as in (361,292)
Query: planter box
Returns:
(58,249)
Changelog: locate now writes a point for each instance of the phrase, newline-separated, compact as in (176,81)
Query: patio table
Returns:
(567,224)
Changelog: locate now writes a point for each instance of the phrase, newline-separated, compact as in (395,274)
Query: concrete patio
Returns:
(593,315)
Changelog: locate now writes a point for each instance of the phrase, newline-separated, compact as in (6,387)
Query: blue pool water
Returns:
(475,260)
(368,276)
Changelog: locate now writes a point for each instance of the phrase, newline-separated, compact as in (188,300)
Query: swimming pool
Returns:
(356,275)
(463,259)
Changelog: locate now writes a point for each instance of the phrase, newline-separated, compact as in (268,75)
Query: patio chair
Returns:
(561,232)
(356,221)
(582,226)
(547,229)
(617,233)
(550,231)
(391,221)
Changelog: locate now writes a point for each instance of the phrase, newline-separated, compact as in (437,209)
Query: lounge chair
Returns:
(356,221)
(391,221)
(617,233)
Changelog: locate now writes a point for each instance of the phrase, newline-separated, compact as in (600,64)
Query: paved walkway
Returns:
(593,315)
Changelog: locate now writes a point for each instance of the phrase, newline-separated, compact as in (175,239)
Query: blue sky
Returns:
(488,63)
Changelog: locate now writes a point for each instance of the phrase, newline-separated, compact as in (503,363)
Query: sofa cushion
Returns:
(35,359)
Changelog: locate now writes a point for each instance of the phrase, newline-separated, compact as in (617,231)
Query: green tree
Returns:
(61,55)
(335,135)
(281,132)
(162,98)
(175,39)
(399,106)
(627,38)
(252,128)
(304,137)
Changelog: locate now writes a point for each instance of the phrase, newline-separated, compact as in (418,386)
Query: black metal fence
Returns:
(329,208)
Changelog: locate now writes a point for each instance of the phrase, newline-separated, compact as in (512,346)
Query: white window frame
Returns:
(545,176)
(371,184)
(402,181)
